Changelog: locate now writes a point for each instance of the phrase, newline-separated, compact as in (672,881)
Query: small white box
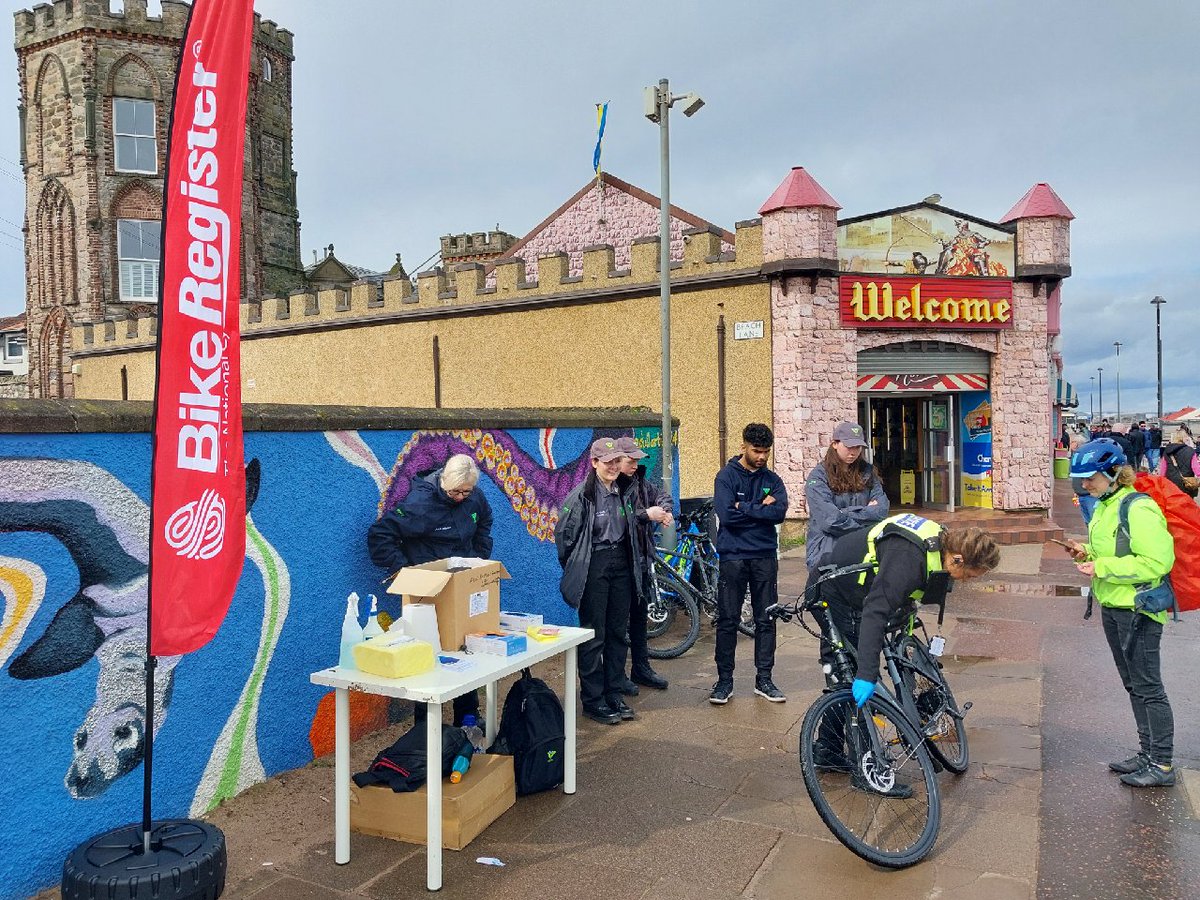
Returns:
(497,644)
(519,621)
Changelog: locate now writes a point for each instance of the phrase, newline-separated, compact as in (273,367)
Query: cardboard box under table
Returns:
(485,793)
(465,593)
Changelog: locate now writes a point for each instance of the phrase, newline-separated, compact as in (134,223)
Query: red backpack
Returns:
(1183,521)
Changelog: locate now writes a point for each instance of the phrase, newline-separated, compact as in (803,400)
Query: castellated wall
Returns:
(568,340)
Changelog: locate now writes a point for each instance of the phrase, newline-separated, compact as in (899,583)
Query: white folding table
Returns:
(433,689)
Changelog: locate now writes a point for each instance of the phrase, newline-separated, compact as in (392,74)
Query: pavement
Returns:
(695,802)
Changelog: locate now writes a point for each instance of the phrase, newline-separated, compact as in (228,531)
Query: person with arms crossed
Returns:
(749,500)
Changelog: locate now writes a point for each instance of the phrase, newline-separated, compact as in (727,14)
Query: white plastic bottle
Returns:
(474,733)
(352,633)
(373,628)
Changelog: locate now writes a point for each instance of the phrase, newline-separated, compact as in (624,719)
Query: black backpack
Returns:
(532,731)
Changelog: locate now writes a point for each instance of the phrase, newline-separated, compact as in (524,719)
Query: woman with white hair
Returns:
(1180,464)
(444,514)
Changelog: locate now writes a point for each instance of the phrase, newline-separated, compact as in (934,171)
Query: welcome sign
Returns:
(952,303)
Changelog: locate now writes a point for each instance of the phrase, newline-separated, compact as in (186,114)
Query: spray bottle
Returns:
(352,633)
(373,628)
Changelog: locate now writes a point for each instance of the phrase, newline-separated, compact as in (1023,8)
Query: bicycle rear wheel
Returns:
(941,720)
(870,779)
(673,616)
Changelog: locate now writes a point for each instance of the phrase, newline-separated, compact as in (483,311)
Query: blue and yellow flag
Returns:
(601,118)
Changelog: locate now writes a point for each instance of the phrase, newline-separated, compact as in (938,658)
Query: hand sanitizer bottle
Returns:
(373,628)
(352,633)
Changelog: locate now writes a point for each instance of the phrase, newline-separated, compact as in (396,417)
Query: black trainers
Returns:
(721,692)
(1151,775)
(1135,763)
(647,677)
(765,687)
(896,791)
(621,708)
(829,759)
(604,714)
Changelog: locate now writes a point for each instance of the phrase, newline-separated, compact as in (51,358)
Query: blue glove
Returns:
(862,691)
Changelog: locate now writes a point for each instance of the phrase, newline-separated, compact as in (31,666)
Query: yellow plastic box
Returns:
(393,656)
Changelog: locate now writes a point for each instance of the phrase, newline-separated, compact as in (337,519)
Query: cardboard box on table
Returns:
(467,600)
(485,793)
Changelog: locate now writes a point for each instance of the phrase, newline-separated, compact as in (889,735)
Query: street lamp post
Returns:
(1158,303)
(1092,402)
(1100,372)
(656,104)
(1117,344)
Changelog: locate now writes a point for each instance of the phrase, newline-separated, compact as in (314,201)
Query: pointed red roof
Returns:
(1038,203)
(798,189)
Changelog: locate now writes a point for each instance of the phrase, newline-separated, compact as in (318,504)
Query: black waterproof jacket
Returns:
(429,525)
(573,536)
(648,494)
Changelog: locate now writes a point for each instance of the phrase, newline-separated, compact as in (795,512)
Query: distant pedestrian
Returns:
(749,500)
(843,493)
(654,507)
(1137,443)
(1180,463)
(1154,446)
(1120,433)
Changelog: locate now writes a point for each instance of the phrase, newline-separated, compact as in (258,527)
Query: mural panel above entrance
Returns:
(925,240)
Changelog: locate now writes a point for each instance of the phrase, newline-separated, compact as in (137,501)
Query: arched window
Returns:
(268,71)
(54,247)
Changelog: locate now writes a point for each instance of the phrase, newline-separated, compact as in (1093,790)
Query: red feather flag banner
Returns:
(197,482)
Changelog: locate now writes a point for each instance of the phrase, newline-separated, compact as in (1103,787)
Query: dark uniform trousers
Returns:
(762,577)
(607,596)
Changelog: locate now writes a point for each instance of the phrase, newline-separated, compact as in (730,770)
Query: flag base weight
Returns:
(187,861)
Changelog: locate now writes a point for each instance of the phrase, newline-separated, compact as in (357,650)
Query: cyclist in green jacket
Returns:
(1133,636)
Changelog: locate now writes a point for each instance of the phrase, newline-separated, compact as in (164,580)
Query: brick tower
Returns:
(95,101)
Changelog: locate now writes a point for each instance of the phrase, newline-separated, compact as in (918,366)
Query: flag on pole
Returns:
(197,484)
(601,118)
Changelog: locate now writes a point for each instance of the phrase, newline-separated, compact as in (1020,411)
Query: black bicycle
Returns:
(869,771)
(687,572)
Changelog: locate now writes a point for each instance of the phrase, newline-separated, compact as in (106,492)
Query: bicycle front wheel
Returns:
(746,620)
(673,617)
(940,718)
(870,779)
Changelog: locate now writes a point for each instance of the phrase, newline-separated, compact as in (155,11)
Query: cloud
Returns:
(425,118)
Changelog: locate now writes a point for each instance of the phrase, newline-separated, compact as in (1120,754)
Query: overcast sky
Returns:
(422,118)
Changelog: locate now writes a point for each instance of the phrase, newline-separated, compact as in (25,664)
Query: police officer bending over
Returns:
(913,559)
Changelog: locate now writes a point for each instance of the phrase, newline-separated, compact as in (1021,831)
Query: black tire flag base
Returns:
(187,861)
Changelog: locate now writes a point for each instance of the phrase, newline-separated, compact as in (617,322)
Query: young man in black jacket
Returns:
(749,500)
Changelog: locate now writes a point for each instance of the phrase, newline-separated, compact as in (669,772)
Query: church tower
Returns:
(95,103)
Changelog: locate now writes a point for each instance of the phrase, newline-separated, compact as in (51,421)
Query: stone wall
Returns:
(73,59)
(14,387)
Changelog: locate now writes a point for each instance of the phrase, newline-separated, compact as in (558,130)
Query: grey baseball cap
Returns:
(628,447)
(850,434)
(606,449)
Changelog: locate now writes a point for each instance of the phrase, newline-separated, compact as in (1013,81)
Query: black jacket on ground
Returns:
(886,592)
(429,525)
(573,536)
(747,530)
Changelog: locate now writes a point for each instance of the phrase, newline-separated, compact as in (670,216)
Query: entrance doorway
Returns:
(913,445)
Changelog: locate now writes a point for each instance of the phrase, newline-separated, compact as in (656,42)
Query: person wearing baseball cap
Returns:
(654,507)
(843,493)
(603,569)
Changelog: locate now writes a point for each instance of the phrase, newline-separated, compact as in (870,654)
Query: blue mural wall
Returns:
(241,708)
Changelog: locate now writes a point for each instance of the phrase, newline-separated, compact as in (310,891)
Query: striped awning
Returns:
(1064,394)
(963,381)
